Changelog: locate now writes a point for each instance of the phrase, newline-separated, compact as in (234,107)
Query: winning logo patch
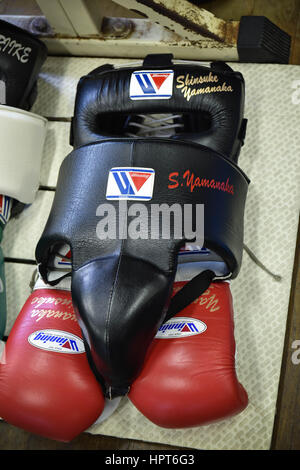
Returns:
(130,183)
(64,257)
(180,327)
(147,84)
(5,208)
(57,341)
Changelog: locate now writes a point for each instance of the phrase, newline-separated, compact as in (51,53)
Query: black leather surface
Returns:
(102,106)
(21,58)
(121,302)
(121,287)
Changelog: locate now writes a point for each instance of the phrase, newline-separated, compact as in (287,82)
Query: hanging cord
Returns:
(254,258)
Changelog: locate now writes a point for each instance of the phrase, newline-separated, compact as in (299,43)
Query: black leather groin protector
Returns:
(121,286)
(21,58)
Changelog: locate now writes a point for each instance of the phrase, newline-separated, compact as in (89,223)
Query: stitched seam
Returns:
(107,338)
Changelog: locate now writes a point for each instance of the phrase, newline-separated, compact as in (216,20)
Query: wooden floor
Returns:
(286,435)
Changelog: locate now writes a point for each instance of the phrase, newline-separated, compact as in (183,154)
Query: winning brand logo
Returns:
(180,327)
(147,84)
(130,183)
(57,341)
(64,257)
(5,208)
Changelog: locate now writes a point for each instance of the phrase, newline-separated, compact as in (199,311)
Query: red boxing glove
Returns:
(46,384)
(188,378)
